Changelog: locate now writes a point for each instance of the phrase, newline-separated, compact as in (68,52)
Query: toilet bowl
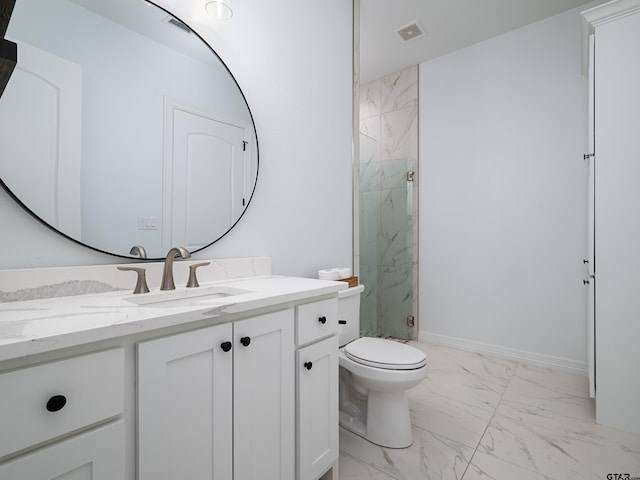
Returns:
(374,375)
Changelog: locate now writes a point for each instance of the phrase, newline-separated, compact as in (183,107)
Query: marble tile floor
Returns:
(478,417)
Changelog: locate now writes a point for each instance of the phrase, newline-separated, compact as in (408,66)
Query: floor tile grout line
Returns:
(518,366)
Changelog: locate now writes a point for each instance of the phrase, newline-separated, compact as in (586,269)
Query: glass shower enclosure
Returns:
(387,244)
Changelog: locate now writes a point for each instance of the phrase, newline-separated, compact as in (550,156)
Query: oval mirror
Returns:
(120,126)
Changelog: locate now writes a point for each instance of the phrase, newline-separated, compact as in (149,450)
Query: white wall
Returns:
(503,192)
(296,74)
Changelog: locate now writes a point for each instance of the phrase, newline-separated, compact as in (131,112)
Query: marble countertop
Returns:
(36,326)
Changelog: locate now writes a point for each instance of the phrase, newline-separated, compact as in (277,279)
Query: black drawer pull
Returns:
(245,341)
(342,322)
(308,365)
(56,403)
(322,320)
(225,346)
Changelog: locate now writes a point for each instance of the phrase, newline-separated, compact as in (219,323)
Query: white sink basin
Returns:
(182,293)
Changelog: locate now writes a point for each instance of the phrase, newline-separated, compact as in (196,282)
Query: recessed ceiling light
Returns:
(219,9)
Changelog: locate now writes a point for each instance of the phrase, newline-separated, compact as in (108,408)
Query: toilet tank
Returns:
(349,311)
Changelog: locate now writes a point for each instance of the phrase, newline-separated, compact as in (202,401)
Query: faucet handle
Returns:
(141,284)
(193,279)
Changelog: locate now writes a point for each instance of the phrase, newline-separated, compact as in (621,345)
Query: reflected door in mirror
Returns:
(41,137)
(204,165)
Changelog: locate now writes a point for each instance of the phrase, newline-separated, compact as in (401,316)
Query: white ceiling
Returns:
(449,25)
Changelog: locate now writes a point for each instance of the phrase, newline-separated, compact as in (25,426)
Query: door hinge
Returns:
(411,321)
(411,176)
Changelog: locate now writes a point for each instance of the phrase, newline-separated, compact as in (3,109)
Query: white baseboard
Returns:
(521,356)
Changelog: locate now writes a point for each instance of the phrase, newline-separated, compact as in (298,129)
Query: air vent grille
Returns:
(177,23)
(410,31)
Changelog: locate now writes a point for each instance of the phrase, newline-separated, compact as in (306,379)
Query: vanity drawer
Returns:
(42,402)
(316,320)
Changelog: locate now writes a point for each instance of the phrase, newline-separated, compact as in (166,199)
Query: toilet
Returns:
(374,375)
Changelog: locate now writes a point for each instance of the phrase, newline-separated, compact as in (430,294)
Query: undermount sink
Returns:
(186,294)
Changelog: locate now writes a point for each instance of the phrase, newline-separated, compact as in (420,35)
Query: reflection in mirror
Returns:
(121,127)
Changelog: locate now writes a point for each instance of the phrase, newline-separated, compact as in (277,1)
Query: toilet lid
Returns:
(381,353)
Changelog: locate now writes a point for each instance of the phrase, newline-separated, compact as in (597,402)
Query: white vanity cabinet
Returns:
(200,389)
(218,402)
(43,406)
(317,388)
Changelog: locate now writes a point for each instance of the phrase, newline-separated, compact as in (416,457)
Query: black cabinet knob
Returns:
(323,320)
(225,346)
(245,341)
(56,403)
(308,365)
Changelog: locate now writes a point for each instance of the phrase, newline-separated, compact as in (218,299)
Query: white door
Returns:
(185,406)
(264,404)
(205,181)
(95,455)
(317,405)
(40,134)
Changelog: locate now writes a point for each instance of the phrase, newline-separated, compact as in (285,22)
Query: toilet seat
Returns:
(385,354)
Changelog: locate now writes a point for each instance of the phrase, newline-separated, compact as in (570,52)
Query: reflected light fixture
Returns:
(219,9)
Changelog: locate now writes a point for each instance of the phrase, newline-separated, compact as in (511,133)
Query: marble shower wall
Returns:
(388,202)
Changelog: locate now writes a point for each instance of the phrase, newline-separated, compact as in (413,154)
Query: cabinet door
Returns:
(95,455)
(264,405)
(317,405)
(185,406)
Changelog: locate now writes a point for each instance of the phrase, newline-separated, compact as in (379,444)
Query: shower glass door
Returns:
(388,266)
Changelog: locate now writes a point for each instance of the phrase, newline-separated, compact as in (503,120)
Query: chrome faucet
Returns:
(167,273)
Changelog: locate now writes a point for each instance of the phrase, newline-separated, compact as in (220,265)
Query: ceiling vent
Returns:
(177,23)
(411,31)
